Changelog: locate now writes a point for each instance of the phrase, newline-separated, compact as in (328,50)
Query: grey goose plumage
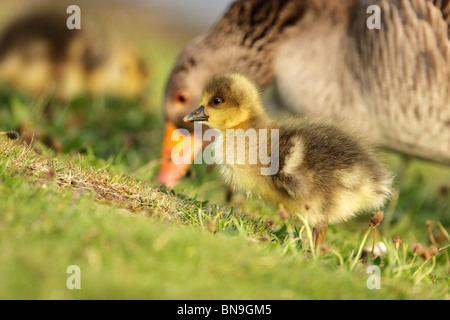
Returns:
(394,82)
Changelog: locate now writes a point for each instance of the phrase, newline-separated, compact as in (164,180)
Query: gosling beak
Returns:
(196,115)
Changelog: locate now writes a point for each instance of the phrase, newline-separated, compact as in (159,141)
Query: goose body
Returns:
(324,172)
(322,60)
(394,82)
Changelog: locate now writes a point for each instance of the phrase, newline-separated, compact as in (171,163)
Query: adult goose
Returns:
(323,60)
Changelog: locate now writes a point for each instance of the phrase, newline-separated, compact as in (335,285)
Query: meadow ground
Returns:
(85,193)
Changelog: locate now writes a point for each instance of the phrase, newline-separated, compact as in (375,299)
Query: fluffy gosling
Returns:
(39,54)
(324,172)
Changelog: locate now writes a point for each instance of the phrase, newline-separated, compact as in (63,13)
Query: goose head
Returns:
(199,61)
(227,47)
(183,95)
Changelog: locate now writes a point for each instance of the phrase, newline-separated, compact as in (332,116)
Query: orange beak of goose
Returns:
(170,172)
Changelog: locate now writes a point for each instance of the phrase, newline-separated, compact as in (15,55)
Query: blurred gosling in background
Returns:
(40,55)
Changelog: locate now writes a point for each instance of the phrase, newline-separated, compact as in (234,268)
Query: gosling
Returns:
(325,173)
(40,55)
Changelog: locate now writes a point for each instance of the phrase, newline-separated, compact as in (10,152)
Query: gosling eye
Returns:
(216,101)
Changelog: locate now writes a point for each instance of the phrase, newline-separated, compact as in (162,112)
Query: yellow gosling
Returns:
(323,172)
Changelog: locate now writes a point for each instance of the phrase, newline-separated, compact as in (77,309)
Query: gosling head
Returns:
(228,101)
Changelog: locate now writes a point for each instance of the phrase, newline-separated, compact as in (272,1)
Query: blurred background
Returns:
(95,91)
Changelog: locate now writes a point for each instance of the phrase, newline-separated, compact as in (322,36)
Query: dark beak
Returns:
(196,115)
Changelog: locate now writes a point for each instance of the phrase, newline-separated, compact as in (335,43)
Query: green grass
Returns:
(129,246)
(85,193)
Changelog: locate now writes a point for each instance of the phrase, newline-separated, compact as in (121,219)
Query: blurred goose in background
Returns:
(40,55)
(323,61)
(324,172)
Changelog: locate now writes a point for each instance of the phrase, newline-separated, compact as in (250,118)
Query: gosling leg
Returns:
(228,194)
(319,234)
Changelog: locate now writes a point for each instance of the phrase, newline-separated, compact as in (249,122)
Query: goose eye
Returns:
(181,97)
(217,101)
